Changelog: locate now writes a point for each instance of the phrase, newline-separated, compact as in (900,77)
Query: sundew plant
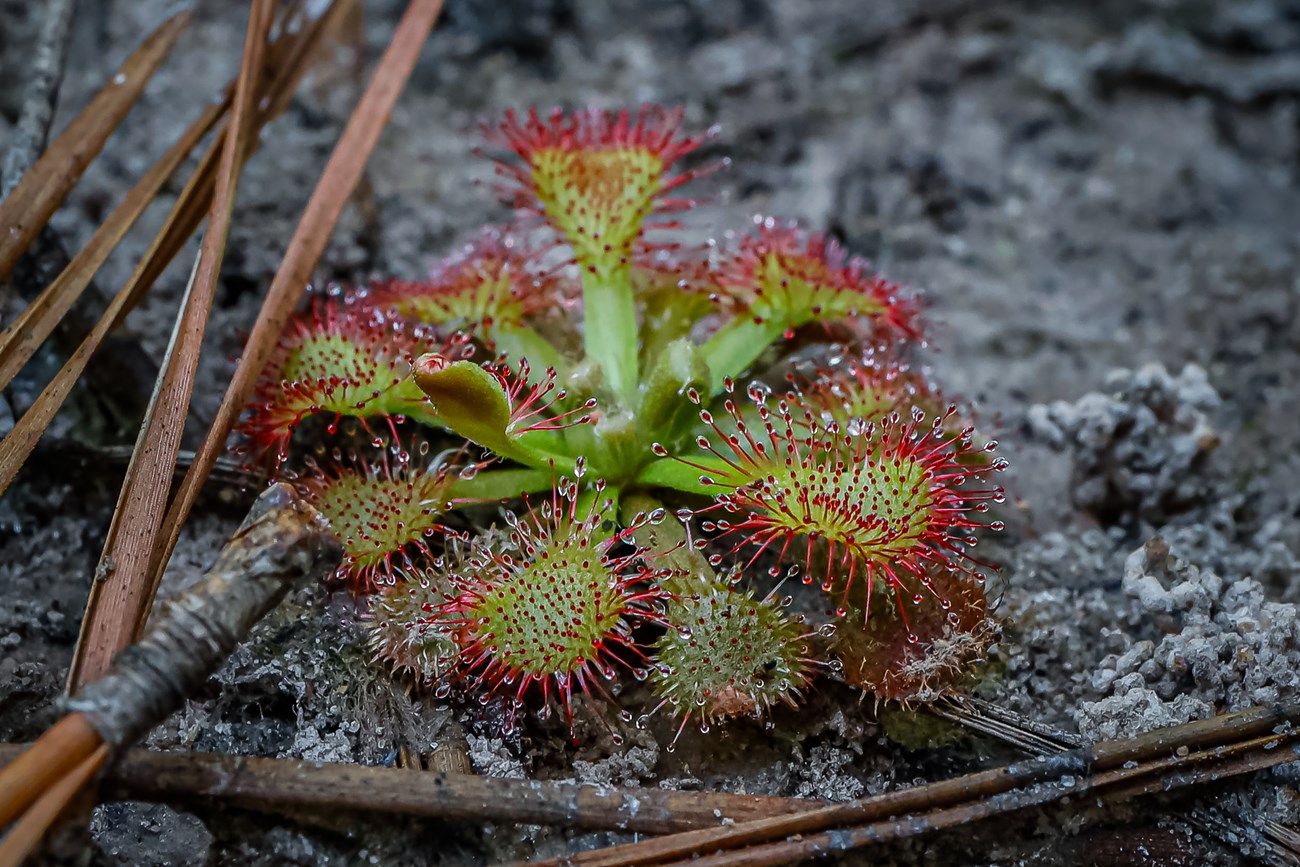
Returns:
(668,443)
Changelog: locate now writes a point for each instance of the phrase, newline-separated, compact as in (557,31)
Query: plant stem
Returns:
(611,333)
(680,476)
(735,347)
(524,342)
(668,540)
(493,485)
(590,501)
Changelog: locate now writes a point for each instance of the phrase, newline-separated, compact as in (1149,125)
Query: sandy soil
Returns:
(1101,203)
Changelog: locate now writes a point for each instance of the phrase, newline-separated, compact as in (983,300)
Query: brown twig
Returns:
(339,179)
(1119,785)
(40,94)
(1014,729)
(288,784)
(959,793)
(278,545)
(28,208)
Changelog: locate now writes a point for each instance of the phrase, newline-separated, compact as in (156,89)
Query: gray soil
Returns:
(1102,204)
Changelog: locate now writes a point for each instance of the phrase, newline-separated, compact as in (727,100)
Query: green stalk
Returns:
(589,500)
(665,409)
(523,342)
(610,337)
(736,346)
(491,485)
(667,539)
(670,473)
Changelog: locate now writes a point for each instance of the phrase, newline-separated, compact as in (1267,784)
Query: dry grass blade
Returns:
(117,602)
(290,55)
(22,337)
(23,838)
(1287,841)
(340,178)
(983,785)
(29,207)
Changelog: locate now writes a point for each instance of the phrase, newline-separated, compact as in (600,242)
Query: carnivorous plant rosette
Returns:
(636,412)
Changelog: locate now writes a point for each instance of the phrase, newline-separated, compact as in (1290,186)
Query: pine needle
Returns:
(117,601)
(26,333)
(69,741)
(290,56)
(28,208)
(26,834)
(340,178)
